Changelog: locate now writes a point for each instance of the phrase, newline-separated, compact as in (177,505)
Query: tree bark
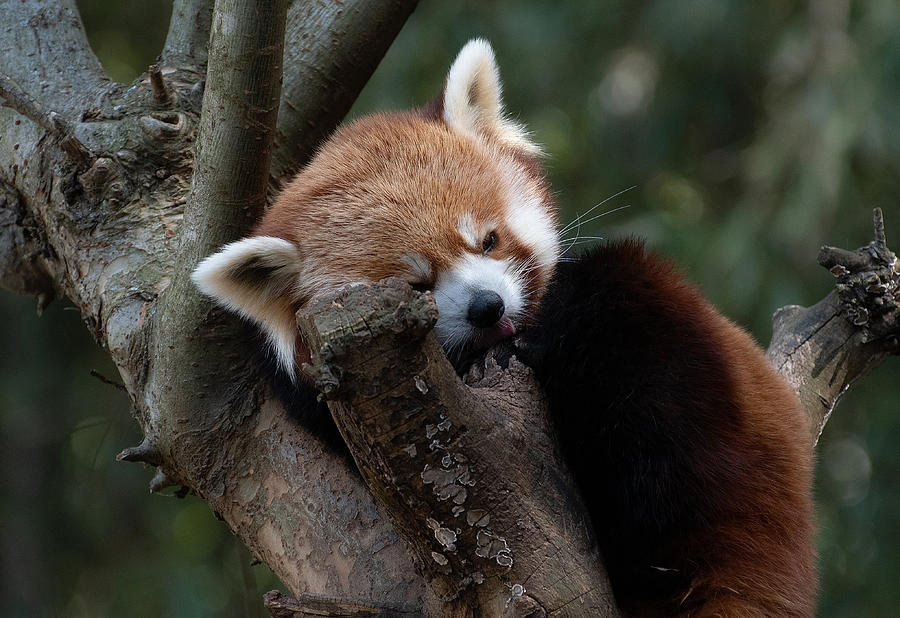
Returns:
(109,237)
(469,474)
(110,195)
(824,349)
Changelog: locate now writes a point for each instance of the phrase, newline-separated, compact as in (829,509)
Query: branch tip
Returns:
(841,261)
(146,452)
(878,223)
(161,92)
(113,383)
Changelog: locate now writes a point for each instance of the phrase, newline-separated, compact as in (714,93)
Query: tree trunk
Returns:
(111,194)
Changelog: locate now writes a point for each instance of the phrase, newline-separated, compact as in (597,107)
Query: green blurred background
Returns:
(751,133)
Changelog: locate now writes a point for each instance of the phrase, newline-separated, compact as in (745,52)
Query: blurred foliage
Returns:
(743,134)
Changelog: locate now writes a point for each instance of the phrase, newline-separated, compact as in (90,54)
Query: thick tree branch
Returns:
(272,481)
(46,52)
(188,37)
(470,476)
(331,51)
(824,349)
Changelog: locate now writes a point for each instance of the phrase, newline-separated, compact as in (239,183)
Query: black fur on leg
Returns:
(635,387)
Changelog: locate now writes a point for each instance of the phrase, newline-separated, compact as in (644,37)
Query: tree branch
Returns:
(188,36)
(271,480)
(19,100)
(470,476)
(824,349)
(332,49)
(161,92)
(46,51)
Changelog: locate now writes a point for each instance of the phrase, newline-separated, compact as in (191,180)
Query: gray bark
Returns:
(188,37)
(824,349)
(110,237)
(118,226)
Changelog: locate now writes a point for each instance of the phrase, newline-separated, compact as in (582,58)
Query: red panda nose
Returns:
(485,308)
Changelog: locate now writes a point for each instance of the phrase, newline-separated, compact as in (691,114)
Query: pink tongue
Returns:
(505,328)
(491,335)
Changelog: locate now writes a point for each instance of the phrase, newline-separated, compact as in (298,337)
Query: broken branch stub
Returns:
(470,476)
(822,350)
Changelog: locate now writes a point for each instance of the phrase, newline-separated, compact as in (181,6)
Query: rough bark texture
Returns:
(467,475)
(109,238)
(824,349)
(470,475)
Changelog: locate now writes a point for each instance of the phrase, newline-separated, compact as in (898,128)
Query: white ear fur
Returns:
(473,101)
(255,277)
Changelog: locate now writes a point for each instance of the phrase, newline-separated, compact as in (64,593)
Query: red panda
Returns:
(451,199)
(691,453)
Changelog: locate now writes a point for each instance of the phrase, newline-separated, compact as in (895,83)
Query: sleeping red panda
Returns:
(691,453)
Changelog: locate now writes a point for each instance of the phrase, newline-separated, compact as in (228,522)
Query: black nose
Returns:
(485,308)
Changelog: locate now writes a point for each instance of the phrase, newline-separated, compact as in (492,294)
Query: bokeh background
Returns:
(745,135)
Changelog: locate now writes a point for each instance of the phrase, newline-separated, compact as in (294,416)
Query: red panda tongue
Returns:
(491,335)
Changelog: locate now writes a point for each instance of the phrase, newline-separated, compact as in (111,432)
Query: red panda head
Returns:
(451,198)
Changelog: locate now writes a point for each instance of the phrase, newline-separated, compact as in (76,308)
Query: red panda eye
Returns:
(489,242)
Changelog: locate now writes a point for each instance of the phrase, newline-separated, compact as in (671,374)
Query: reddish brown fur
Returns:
(691,452)
(392,184)
(763,560)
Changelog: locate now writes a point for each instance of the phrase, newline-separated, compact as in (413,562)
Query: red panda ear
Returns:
(473,101)
(255,277)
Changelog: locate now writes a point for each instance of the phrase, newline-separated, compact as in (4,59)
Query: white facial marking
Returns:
(455,288)
(419,267)
(527,216)
(465,225)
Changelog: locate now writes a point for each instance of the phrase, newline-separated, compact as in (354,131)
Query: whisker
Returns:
(603,214)
(582,241)
(578,231)
(583,238)
(577,220)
